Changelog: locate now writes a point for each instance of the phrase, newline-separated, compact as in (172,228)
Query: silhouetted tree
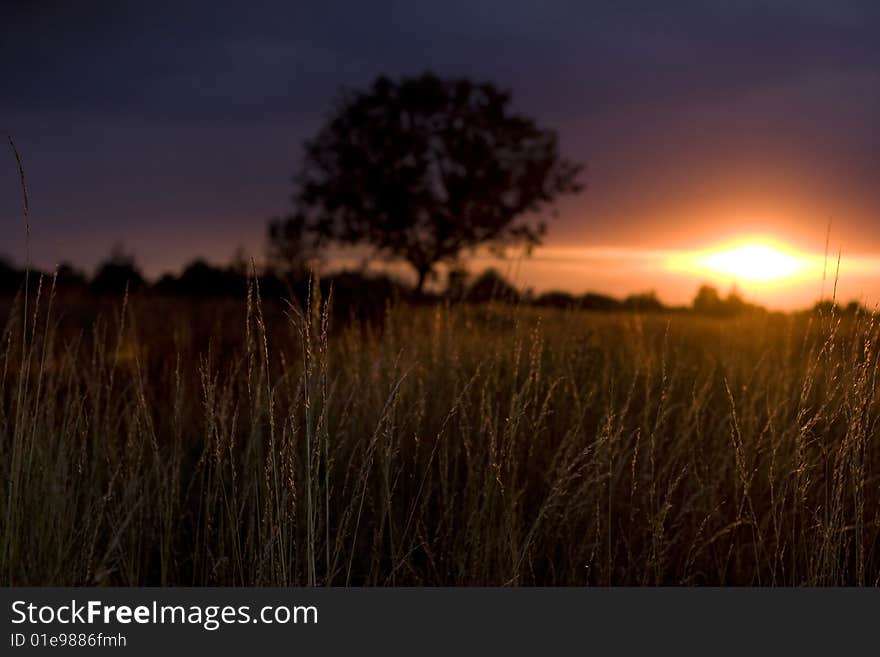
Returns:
(116,273)
(70,278)
(734,304)
(854,307)
(708,300)
(425,168)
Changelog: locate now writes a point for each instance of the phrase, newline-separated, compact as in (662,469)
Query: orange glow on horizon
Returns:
(749,260)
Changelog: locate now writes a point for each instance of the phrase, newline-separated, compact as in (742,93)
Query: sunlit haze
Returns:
(762,270)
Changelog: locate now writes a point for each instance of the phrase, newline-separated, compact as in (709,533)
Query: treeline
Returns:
(362,296)
(362,293)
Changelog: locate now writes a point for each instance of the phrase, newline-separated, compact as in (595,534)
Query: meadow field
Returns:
(153,441)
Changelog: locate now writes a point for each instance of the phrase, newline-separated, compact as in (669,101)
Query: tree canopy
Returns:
(425,168)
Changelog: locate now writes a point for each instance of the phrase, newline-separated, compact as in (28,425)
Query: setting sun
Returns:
(747,261)
(753,262)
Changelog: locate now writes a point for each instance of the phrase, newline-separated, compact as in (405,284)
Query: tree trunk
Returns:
(420,282)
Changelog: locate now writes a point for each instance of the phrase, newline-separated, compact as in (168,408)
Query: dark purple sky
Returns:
(175,129)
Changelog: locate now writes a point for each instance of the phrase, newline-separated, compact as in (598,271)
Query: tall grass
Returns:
(199,444)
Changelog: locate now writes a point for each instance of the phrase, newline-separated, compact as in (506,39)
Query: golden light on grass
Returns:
(748,261)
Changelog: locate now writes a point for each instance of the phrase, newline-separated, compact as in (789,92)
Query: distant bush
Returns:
(854,307)
(557,299)
(709,302)
(456,284)
(643,302)
(116,274)
(10,277)
(491,286)
(593,301)
(69,278)
(827,307)
(361,297)
(199,279)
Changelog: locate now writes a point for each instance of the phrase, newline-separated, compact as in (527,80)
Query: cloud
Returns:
(221,60)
